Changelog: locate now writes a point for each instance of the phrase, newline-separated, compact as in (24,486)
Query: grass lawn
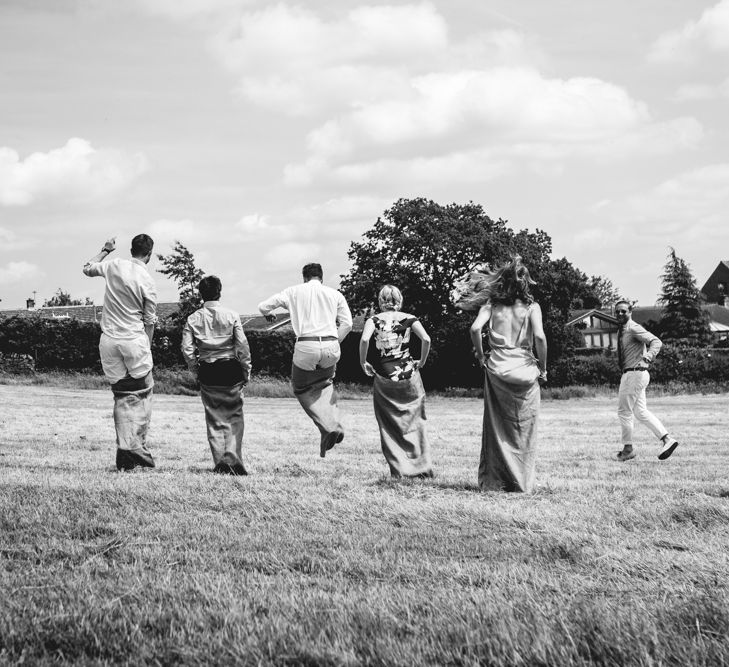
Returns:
(311,561)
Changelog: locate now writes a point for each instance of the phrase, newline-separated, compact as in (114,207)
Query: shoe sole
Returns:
(626,457)
(326,446)
(665,454)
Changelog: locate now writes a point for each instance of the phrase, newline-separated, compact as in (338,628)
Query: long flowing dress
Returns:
(399,400)
(511,408)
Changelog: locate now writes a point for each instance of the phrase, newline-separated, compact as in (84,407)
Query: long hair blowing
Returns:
(505,285)
(511,282)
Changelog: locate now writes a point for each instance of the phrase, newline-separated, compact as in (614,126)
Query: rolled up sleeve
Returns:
(280,300)
(188,345)
(241,348)
(652,343)
(149,314)
(344,318)
(93,269)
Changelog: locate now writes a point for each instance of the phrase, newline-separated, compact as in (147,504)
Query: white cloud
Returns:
(253,223)
(709,33)
(286,255)
(76,172)
(292,60)
(18,272)
(703,91)
(698,198)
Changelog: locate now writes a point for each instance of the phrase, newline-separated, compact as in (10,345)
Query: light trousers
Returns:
(632,403)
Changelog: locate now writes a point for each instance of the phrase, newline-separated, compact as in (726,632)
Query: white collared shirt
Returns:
(315,309)
(217,333)
(130,299)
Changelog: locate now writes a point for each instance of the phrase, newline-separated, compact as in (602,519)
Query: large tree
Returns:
(682,317)
(423,247)
(63,298)
(180,266)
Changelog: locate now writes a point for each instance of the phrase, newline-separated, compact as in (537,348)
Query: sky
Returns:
(264,135)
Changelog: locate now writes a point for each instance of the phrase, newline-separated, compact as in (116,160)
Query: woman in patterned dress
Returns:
(398,393)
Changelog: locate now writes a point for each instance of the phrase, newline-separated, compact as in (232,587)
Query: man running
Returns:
(321,320)
(637,348)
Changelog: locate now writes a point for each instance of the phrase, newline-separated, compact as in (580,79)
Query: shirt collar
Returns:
(139,261)
(211,304)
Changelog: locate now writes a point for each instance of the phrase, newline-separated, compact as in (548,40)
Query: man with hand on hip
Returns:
(637,348)
(321,320)
(127,326)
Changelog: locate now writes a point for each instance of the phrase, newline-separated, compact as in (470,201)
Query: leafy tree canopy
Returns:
(179,265)
(423,247)
(682,318)
(63,298)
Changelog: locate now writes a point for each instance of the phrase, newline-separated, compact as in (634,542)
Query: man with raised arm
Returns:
(127,327)
(637,348)
(321,320)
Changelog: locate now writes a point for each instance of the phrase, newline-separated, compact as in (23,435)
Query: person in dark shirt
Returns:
(398,393)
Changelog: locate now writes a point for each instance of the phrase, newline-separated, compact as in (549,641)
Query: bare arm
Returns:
(89,268)
(482,319)
(364,346)
(420,332)
(540,340)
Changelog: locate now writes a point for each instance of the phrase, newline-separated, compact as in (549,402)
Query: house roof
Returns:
(579,315)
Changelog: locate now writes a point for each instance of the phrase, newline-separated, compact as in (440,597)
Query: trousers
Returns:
(632,403)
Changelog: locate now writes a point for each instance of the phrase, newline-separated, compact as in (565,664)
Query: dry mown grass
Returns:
(328,562)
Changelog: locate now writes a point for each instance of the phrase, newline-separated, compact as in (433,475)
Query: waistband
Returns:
(637,368)
(317,338)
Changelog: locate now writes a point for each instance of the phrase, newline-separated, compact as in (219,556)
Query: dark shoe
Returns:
(230,464)
(128,460)
(329,440)
(626,454)
(669,444)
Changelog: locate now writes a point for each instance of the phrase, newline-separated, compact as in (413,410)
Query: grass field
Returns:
(313,561)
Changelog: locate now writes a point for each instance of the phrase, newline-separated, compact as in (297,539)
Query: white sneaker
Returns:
(669,444)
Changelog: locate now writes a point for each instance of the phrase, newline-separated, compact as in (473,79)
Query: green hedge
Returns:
(73,345)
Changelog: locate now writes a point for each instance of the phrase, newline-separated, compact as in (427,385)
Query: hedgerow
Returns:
(72,345)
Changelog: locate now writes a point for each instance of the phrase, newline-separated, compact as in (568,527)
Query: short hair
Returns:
(210,288)
(390,298)
(142,245)
(626,302)
(312,270)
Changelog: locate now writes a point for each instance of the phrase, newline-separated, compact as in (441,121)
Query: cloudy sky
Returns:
(266,134)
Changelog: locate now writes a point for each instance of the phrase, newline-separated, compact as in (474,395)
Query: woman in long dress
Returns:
(511,388)
(398,393)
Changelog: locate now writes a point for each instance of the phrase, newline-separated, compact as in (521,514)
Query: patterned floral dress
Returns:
(399,400)
(392,340)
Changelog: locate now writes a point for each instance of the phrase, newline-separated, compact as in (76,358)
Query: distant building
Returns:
(92,313)
(716,288)
(598,327)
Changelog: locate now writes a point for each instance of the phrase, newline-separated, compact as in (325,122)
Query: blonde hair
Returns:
(390,298)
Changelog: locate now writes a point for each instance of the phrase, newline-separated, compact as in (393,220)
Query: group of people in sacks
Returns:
(215,347)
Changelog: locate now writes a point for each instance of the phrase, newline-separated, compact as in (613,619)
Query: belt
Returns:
(317,338)
(637,368)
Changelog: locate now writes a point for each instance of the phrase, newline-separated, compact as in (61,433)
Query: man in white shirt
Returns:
(223,366)
(127,326)
(321,320)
